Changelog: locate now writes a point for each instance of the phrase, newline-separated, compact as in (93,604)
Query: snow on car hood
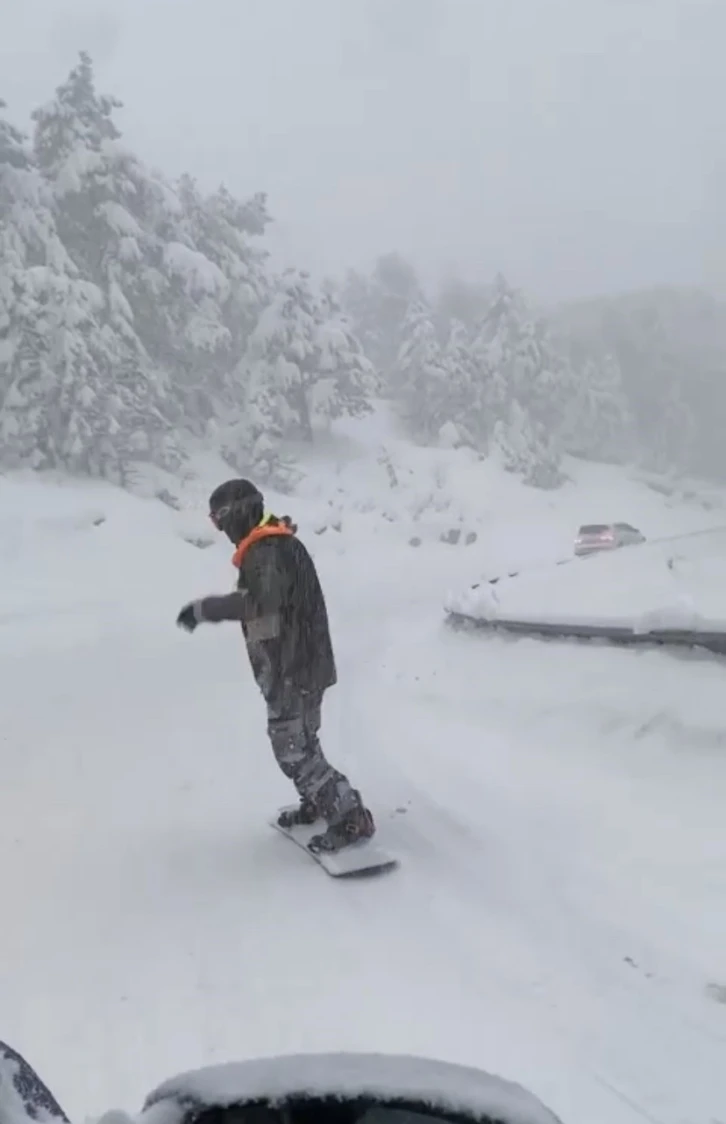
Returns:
(24,1098)
(440,1085)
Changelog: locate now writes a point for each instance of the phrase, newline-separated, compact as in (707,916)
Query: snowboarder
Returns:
(280,605)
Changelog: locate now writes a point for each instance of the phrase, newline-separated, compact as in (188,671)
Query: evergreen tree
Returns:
(673,437)
(467,393)
(213,327)
(426,391)
(526,449)
(527,384)
(16,196)
(303,365)
(133,301)
(347,378)
(360,307)
(494,350)
(598,423)
(377,307)
(670,346)
(52,348)
(105,207)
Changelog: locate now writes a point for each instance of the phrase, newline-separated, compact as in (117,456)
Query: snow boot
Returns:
(355,827)
(305,814)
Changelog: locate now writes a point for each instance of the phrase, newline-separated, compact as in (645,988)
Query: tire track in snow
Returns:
(565,936)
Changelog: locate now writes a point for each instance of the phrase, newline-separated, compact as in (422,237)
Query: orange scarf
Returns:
(262,531)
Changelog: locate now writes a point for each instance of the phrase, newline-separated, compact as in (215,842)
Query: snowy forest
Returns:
(141,319)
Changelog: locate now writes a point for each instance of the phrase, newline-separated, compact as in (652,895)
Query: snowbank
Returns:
(678,584)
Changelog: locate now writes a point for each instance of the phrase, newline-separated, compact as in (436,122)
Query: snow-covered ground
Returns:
(559,917)
(677,583)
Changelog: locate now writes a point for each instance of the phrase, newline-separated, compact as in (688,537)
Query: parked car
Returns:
(592,538)
(331,1088)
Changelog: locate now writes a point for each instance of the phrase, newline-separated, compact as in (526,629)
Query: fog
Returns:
(574,144)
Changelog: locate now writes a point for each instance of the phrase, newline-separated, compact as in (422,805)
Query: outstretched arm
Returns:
(223,607)
(213,610)
(258,603)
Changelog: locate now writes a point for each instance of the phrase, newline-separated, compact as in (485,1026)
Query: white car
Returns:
(345,1088)
(592,538)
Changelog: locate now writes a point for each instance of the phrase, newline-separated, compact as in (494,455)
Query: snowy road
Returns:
(558,918)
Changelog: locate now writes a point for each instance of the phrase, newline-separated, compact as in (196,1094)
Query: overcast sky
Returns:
(577,145)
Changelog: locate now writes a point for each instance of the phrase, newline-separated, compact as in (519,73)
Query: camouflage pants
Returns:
(293,722)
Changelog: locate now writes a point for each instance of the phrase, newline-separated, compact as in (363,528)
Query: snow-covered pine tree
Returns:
(107,209)
(492,350)
(169,283)
(313,363)
(214,321)
(253,441)
(661,385)
(13,151)
(283,350)
(53,411)
(16,196)
(347,379)
(26,228)
(428,392)
(303,365)
(670,345)
(468,400)
(673,435)
(357,300)
(527,383)
(377,307)
(598,424)
(526,449)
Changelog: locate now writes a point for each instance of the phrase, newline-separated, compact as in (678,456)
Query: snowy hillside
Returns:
(558,917)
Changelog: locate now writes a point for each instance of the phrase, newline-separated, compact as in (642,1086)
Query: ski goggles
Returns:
(219,515)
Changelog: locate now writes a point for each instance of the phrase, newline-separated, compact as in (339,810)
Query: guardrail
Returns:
(714,642)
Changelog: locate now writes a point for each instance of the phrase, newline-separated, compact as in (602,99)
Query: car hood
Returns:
(440,1085)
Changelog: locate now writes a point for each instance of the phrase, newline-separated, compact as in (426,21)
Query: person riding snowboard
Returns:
(280,605)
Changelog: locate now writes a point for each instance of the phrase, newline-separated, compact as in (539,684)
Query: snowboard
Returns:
(357,860)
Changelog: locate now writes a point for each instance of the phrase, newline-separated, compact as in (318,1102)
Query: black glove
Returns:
(190,616)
